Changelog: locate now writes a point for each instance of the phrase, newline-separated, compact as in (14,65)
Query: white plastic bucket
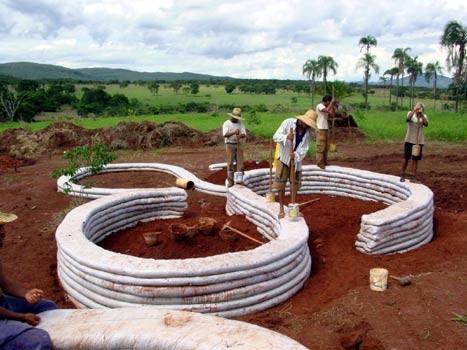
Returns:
(378,279)
(238,177)
(293,210)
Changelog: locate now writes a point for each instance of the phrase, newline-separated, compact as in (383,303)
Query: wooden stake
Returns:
(333,146)
(292,175)
(308,202)
(240,233)
(270,164)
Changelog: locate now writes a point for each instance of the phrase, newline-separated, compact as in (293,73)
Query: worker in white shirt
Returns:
(293,137)
(324,109)
(234,134)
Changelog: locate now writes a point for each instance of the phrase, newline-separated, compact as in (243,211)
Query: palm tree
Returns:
(414,68)
(367,41)
(383,81)
(431,72)
(400,57)
(327,64)
(367,62)
(391,72)
(312,70)
(454,38)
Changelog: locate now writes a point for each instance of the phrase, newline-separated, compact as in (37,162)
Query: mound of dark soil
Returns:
(20,143)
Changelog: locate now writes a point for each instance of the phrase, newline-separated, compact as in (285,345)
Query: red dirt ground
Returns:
(131,241)
(335,308)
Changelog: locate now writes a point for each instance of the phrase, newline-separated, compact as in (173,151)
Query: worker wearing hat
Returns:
(234,134)
(416,120)
(293,134)
(19,307)
(324,110)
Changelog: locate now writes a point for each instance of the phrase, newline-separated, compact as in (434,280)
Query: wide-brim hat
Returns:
(236,113)
(5,218)
(309,118)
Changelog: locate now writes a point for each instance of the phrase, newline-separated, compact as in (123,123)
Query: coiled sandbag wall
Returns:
(66,183)
(230,284)
(149,328)
(407,222)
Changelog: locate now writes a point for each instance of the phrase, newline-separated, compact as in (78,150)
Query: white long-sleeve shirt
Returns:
(280,137)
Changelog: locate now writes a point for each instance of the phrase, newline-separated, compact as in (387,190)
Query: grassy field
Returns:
(383,126)
(379,126)
(217,95)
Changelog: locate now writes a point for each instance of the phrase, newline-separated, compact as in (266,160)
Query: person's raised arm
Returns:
(424,120)
(410,115)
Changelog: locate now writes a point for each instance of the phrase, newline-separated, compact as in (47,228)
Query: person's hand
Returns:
(31,319)
(292,155)
(237,132)
(290,135)
(33,296)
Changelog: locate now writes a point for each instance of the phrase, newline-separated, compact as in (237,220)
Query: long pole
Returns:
(270,164)
(242,234)
(292,174)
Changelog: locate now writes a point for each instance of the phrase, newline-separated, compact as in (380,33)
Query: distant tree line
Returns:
(23,99)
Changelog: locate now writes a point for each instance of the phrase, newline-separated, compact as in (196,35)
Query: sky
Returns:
(242,39)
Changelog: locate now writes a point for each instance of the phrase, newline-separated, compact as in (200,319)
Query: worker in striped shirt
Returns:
(293,137)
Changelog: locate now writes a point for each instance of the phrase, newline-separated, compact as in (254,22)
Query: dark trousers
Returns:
(20,335)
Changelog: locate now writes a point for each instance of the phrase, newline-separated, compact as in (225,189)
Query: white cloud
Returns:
(260,39)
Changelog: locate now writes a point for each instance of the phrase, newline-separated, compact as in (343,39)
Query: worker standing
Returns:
(19,307)
(416,120)
(293,137)
(325,109)
(234,134)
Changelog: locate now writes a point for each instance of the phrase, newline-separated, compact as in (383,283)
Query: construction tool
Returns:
(292,174)
(308,202)
(403,281)
(228,227)
(270,198)
(333,146)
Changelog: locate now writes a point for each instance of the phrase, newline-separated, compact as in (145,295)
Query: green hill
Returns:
(36,71)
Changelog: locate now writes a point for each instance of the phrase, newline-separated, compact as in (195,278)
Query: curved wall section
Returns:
(230,284)
(407,222)
(144,328)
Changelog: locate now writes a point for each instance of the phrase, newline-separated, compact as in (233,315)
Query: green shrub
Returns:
(94,157)
(253,118)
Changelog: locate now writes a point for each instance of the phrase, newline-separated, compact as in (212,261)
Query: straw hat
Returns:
(309,118)
(5,218)
(236,113)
